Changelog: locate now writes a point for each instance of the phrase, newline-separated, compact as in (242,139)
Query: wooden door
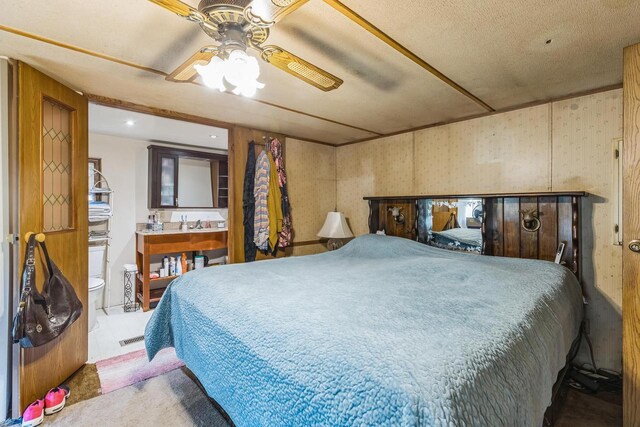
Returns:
(631,232)
(53,181)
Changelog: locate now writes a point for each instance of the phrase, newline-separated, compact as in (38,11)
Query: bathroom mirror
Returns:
(187,179)
(454,224)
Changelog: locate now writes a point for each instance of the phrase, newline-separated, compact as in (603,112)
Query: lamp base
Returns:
(333,244)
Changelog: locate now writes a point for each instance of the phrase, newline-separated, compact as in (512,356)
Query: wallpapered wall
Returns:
(565,145)
(311,171)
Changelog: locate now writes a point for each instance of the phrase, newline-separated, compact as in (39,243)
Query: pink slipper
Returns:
(55,399)
(34,414)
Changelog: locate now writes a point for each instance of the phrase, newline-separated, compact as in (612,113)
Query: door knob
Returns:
(634,245)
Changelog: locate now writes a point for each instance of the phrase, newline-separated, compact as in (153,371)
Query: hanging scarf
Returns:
(274,207)
(286,235)
(261,191)
(249,204)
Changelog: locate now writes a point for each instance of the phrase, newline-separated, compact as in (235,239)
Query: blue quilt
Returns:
(384,331)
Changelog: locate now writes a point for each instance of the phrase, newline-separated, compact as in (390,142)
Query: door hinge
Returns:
(617,153)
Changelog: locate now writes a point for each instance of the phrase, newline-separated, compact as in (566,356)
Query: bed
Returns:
(384,331)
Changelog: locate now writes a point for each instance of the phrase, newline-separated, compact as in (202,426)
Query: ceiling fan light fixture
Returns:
(239,70)
(235,26)
(213,73)
(239,67)
(248,89)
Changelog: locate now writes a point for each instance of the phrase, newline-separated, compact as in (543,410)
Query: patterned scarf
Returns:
(261,191)
(286,235)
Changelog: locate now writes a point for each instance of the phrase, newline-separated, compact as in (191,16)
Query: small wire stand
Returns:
(130,301)
(101,191)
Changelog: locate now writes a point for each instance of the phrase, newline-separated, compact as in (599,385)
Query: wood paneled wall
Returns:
(560,146)
(382,167)
(311,183)
(311,172)
(631,230)
(239,139)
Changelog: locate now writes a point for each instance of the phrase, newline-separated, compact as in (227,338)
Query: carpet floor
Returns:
(84,384)
(131,368)
(171,399)
(174,399)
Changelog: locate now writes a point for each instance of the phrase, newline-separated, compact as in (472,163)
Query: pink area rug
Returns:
(121,371)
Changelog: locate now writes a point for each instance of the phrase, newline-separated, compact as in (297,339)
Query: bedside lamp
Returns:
(335,228)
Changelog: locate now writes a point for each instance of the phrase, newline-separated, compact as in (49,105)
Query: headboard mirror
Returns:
(454,224)
(518,225)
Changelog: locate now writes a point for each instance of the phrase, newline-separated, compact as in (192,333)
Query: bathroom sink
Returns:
(191,230)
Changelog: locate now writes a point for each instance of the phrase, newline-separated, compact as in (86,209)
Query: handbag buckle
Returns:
(51,317)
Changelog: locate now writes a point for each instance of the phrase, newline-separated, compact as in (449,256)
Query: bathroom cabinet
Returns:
(180,178)
(171,243)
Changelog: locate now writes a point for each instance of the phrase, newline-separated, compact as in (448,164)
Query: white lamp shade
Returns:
(335,227)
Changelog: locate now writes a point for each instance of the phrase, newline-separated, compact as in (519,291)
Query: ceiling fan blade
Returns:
(264,13)
(186,11)
(300,68)
(175,6)
(186,72)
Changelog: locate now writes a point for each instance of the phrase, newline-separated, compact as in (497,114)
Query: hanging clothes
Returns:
(261,192)
(249,204)
(286,235)
(274,206)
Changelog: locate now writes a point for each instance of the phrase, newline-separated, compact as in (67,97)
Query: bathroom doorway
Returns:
(135,185)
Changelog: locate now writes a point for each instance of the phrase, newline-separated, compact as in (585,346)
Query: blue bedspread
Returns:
(384,331)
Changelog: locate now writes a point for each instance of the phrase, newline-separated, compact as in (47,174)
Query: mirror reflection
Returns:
(453,224)
(180,178)
(195,179)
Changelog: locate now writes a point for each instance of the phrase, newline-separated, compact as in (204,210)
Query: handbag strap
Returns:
(29,269)
(47,259)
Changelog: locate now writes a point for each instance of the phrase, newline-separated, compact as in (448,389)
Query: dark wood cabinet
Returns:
(164,189)
(223,185)
(163,179)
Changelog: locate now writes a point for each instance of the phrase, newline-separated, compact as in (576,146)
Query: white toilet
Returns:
(96,283)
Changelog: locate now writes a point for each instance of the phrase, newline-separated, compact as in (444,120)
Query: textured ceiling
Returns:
(147,127)
(496,50)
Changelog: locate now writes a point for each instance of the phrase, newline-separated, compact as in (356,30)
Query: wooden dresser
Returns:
(170,243)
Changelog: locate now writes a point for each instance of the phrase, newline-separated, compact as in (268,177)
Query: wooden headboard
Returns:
(503,233)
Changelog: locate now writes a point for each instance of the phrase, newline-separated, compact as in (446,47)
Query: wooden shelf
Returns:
(148,245)
(154,295)
(157,279)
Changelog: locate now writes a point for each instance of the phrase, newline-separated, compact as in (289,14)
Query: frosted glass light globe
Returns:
(239,70)
(242,71)
(212,73)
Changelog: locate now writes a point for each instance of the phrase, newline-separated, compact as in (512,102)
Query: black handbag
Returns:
(41,317)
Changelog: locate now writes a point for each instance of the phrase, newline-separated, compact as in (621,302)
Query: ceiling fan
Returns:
(237,25)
